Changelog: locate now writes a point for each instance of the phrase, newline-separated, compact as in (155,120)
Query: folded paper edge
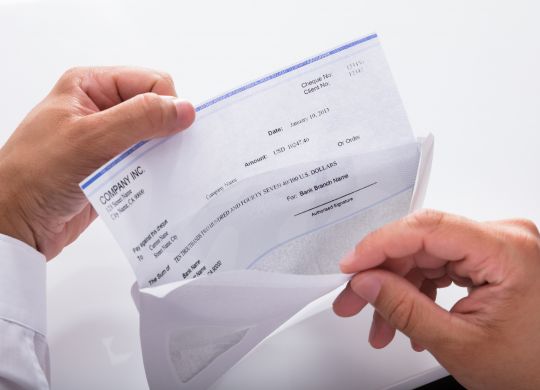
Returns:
(424,169)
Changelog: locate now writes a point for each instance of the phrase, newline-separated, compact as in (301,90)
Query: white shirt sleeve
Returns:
(24,355)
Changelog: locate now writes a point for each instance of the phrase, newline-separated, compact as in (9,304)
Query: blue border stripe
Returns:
(209,103)
(285,71)
(109,166)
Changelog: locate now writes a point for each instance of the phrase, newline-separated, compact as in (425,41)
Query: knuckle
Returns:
(521,232)
(527,224)
(521,250)
(152,109)
(70,72)
(73,73)
(167,78)
(70,79)
(425,219)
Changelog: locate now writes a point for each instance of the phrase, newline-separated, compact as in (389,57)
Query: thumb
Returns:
(142,117)
(407,309)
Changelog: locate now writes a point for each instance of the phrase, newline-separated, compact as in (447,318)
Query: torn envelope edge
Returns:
(185,347)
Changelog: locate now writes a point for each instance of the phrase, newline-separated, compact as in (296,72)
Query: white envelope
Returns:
(192,332)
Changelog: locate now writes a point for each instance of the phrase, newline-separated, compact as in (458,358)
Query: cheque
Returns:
(235,224)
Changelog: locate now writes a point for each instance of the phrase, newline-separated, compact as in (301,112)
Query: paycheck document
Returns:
(237,223)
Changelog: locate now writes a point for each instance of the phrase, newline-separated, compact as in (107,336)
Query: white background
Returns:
(468,71)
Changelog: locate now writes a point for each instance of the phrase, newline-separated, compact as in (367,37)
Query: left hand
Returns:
(90,116)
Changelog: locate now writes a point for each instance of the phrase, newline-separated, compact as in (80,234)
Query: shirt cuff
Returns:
(22,284)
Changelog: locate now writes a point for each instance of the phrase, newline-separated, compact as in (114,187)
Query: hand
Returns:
(90,116)
(489,339)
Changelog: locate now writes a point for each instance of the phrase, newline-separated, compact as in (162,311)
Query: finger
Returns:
(109,86)
(347,303)
(404,265)
(140,118)
(458,272)
(434,273)
(415,277)
(441,236)
(401,266)
(443,281)
(417,347)
(409,310)
(381,333)
(429,289)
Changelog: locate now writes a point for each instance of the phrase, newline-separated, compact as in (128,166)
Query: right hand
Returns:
(491,338)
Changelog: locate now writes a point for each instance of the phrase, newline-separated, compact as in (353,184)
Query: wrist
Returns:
(15,227)
(12,220)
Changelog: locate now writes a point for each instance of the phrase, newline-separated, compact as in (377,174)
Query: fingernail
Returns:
(347,261)
(367,287)
(185,112)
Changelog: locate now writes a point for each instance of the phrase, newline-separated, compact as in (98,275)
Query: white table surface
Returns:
(467,72)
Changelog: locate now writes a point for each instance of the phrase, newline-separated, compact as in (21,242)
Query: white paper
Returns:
(258,201)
